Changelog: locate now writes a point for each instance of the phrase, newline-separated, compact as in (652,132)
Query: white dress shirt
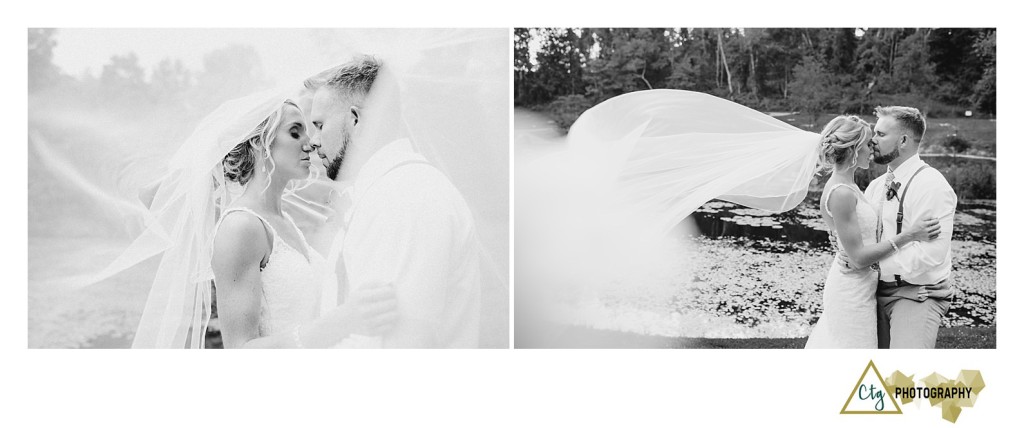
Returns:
(409,226)
(919,262)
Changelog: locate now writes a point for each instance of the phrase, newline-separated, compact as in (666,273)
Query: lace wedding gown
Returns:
(292,284)
(849,314)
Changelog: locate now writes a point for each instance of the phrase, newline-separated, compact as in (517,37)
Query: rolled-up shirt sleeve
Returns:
(930,196)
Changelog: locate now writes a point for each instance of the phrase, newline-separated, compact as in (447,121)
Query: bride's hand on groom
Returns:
(925,229)
(374,309)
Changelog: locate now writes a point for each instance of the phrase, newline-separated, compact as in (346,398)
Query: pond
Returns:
(748,273)
(975,221)
(802,233)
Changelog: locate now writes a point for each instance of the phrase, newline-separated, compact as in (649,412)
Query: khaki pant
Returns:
(904,323)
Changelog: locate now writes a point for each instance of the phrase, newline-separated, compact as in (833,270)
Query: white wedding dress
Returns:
(292,284)
(848,318)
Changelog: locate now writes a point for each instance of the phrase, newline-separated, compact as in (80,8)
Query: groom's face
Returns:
(889,136)
(332,128)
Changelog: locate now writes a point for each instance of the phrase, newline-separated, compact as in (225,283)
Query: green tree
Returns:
(629,59)
(957,65)
(693,57)
(984,96)
(123,77)
(228,73)
(913,74)
(840,50)
(170,81)
(521,65)
(41,70)
(812,89)
(559,65)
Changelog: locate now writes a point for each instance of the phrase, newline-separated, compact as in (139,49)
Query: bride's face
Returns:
(290,149)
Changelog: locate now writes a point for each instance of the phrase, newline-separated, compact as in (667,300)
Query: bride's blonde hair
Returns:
(841,139)
(240,163)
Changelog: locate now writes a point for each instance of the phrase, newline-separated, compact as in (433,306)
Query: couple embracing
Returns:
(893,263)
(400,261)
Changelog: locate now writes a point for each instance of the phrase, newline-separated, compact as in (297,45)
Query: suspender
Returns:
(899,214)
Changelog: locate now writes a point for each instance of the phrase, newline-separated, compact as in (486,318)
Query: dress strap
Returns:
(271,233)
(828,195)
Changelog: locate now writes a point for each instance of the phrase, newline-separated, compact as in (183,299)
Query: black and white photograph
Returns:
(755,188)
(268,188)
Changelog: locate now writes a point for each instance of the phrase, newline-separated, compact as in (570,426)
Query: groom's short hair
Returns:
(909,118)
(353,79)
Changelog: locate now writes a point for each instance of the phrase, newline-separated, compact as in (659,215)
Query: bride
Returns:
(849,317)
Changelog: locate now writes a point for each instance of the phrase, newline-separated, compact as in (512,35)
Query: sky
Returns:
(286,54)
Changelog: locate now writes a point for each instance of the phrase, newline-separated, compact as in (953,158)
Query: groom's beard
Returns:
(335,166)
(885,159)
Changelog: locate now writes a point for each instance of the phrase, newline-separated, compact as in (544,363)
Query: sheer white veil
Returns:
(180,223)
(633,168)
(447,90)
(671,151)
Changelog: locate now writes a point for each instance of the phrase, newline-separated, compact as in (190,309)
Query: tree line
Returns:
(942,71)
(124,84)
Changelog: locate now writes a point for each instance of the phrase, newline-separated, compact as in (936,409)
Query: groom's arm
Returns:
(934,198)
(402,235)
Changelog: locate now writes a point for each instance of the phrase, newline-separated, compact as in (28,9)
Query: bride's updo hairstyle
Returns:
(840,141)
(240,163)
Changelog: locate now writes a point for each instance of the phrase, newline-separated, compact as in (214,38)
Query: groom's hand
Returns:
(375,309)
(843,258)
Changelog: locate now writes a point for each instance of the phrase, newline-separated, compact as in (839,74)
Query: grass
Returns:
(573,337)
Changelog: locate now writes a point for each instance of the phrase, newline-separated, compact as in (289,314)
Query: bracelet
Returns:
(297,336)
(894,247)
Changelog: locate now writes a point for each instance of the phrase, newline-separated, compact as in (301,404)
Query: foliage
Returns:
(812,92)
(954,143)
(942,71)
(567,108)
(41,70)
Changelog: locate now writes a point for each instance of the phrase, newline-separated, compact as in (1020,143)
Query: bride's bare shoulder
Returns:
(241,233)
(840,198)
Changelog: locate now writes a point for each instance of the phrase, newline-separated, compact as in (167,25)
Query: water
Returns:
(801,233)
(800,227)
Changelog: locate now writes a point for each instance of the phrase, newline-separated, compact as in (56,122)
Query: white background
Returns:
(487,387)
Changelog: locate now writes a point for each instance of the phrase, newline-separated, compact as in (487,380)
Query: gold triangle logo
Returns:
(872,396)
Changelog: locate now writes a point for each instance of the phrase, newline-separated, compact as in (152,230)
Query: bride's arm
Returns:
(239,247)
(843,206)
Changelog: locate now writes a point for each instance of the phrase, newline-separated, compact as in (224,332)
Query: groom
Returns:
(913,288)
(406,224)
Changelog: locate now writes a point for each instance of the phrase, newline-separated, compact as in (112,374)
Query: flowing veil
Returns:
(632,168)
